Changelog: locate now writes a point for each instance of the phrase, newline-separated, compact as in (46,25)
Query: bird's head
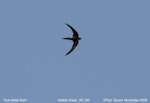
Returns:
(79,38)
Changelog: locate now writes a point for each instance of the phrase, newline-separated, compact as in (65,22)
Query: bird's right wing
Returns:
(75,43)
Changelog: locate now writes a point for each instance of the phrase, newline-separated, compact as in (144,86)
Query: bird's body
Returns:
(75,38)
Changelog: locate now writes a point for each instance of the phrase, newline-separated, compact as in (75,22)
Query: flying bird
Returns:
(75,38)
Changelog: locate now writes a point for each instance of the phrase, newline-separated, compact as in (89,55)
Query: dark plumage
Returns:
(75,38)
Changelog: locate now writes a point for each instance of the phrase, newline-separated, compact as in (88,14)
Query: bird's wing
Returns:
(75,33)
(75,43)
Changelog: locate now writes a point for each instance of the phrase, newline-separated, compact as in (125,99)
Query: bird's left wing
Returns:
(75,33)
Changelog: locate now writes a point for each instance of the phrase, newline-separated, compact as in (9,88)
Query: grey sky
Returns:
(111,61)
